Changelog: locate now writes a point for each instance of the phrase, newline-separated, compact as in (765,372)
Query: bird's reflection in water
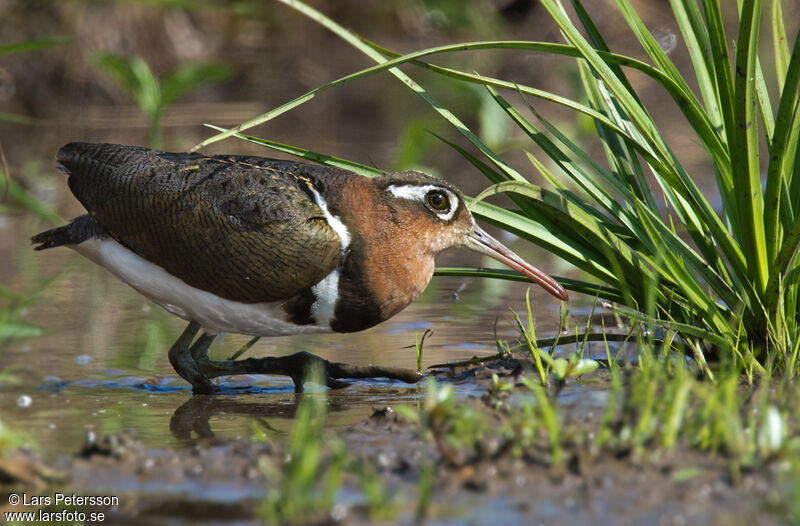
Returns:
(191,421)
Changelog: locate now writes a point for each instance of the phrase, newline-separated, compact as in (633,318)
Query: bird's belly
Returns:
(214,313)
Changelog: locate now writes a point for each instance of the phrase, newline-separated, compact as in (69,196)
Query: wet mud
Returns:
(212,479)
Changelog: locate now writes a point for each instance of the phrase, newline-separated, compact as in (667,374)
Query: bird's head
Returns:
(436,214)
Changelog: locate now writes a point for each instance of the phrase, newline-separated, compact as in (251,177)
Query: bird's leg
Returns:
(298,365)
(199,350)
(180,356)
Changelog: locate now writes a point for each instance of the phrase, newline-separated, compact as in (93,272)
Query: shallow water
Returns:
(103,364)
(102,369)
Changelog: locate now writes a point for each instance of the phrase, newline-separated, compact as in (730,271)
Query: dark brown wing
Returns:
(244,228)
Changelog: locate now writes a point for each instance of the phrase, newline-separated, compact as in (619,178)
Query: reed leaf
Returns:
(726,281)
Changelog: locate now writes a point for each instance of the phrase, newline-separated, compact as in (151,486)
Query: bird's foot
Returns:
(192,363)
(304,366)
(181,356)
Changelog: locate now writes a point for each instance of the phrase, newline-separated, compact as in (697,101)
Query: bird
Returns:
(264,247)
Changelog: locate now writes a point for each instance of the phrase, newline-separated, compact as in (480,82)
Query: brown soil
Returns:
(220,482)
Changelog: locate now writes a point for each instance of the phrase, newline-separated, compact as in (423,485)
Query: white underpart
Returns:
(419,193)
(326,291)
(335,223)
(214,313)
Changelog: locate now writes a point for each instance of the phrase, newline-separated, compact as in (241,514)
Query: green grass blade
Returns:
(583,287)
(579,156)
(689,110)
(746,170)
(563,161)
(32,45)
(627,101)
(17,118)
(696,38)
(684,329)
(401,59)
(316,157)
(598,42)
(695,35)
(721,63)
(571,218)
(546,231)
(356,42)
(780,44)
(779,164)
(491,174)
(135,76)
(625,163)
(689,258)
(572,225)
(620,154)
(692,111)
(540,235)
(652,47)
(15,191)
(785,262)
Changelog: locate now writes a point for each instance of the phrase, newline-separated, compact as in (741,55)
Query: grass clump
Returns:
(727,280)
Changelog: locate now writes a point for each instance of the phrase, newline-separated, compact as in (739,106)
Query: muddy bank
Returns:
(475,478)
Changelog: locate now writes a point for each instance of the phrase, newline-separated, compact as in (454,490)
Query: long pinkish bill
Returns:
(480,241)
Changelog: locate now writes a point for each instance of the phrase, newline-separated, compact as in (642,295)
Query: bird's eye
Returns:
(437,200)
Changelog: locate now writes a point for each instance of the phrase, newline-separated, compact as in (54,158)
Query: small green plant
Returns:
(10,440)
(660,406)
(31,45)
(456,430)
(153,96)
(304,488)
(424,492)
(306,485)
(550,421)
(12,324)
(560,368)
(419,343)
(382,503)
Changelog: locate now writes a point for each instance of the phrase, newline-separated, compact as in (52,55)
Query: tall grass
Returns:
(725,280)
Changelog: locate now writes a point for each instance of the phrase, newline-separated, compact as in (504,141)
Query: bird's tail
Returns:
(77,231)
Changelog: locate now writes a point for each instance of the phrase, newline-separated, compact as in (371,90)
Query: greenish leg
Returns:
(296,366)
(200,347)
(192,363)
(181,358)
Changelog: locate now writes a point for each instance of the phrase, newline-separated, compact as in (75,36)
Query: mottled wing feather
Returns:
(242,228)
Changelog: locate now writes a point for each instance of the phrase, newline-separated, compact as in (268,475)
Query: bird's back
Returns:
(236,226)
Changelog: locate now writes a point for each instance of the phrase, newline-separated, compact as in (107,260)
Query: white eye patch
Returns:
(420,193)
